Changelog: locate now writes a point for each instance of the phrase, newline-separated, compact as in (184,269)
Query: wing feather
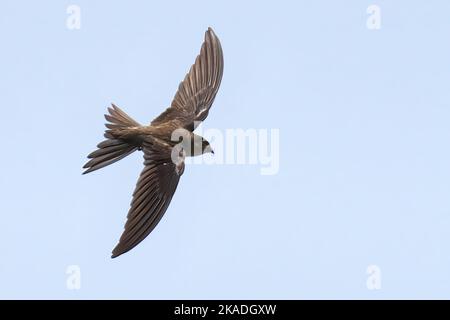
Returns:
(154,191)
(196,93)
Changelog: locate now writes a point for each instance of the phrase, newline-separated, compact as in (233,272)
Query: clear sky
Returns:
(364,173)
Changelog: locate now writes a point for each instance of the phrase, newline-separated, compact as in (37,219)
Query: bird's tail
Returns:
(113,148)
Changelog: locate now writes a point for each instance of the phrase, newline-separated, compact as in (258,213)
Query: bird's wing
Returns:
(152,195)
(196,93)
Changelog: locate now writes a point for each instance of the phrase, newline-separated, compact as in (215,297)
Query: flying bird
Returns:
(165,143)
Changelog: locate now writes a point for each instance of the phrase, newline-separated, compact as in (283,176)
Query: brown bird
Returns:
(165,143)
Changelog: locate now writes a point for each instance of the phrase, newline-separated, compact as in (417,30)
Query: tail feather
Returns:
(113,149)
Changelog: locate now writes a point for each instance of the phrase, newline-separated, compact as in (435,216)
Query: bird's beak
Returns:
(212,151)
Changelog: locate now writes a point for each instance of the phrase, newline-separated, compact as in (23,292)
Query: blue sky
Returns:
(364,176)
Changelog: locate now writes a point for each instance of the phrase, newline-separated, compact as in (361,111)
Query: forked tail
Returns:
(112,149)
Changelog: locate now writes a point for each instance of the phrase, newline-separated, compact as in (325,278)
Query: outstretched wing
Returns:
(196,93)
(154,190)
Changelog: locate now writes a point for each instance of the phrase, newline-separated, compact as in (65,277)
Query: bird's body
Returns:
(165,143)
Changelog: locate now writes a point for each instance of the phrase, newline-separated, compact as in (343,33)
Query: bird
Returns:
(165,143)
